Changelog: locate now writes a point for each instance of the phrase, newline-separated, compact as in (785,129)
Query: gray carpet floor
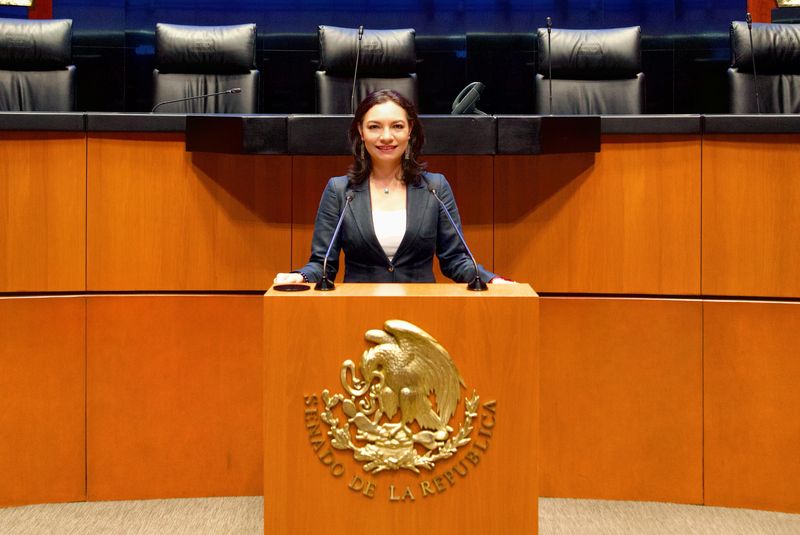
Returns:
(219,516)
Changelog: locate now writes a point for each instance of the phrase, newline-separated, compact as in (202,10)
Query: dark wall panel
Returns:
(684,50)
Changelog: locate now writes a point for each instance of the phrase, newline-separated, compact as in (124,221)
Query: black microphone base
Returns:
(325,285)
(477,285)
(291,287)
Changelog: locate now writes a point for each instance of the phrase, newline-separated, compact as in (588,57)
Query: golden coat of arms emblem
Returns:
(397,403)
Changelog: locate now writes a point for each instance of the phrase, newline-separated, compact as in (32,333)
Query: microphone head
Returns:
(749,19)
(360,31)
(235,90)
(549,22)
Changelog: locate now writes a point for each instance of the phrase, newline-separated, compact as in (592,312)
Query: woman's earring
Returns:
(408,151)
(361,150)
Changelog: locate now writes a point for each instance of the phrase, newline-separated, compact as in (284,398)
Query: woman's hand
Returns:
(288,278)
(501,280)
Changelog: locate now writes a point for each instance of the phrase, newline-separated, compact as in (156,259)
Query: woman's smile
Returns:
(385,130)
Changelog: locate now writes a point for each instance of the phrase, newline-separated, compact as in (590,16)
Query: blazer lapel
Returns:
(417,199)
(362,213)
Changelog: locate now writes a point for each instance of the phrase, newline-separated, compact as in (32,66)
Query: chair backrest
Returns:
(387,60)
(197,60)
(595,72)
(35,65)
(777,53)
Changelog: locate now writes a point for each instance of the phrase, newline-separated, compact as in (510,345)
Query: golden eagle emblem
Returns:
(407,392)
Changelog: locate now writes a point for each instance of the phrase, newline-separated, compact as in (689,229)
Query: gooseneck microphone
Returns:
(355,71)
(476,285)
(325,284)
(550,61)
(233,91)
(749,20)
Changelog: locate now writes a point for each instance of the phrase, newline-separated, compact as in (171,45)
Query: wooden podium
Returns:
(479,475)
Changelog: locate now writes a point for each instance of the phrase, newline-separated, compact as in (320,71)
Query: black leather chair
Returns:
(777,54)
(387,60)
(595,72)
(35,65)
(197,60)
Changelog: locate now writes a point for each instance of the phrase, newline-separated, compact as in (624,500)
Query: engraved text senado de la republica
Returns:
(395,414)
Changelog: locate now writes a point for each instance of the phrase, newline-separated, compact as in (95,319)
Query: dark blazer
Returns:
(428,232)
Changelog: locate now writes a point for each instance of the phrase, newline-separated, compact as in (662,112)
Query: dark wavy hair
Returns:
(361,168)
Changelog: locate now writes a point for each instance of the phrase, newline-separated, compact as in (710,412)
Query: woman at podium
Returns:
(385,213)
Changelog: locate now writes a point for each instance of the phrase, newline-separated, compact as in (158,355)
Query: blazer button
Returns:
(391,269)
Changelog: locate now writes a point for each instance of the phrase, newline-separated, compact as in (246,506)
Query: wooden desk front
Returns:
(625,221)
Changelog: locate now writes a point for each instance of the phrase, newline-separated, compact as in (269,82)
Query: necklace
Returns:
(386,189)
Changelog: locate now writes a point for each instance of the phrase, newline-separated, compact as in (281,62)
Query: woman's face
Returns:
(385,130)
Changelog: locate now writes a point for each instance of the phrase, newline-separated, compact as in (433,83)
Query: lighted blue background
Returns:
(13,12)
(657,17)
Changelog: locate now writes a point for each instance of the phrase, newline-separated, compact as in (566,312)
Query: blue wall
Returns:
(13,12)
(443,17)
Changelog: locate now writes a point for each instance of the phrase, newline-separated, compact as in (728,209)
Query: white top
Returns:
(390,226)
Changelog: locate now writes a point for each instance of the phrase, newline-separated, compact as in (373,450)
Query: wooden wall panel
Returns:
(752,403)
(161,218)
(751,190)
(625,220)
(174,397)
(621,399)
(469,176)
(43,211)
(42,387)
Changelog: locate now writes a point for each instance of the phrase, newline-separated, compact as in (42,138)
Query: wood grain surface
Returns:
(161,218)
(42,384)
(621,399)
(751,190)
(492,341)
(752,403)
(42,211)
(625,220)
(174,396)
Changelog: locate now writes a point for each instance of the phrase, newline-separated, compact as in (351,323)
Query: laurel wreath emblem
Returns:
(399,376)
(391,446)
